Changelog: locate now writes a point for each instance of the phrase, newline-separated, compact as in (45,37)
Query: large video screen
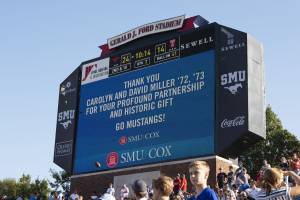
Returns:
(160,113)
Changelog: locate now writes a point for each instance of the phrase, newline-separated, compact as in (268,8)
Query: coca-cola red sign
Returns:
(238,121)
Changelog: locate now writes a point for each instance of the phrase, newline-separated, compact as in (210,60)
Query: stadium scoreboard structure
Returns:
(166,91)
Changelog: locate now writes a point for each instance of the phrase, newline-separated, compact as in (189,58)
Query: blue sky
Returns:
(42,42)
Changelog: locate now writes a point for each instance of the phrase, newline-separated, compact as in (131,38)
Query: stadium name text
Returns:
(147,29)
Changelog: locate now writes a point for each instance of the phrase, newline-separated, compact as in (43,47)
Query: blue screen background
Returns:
(187,130)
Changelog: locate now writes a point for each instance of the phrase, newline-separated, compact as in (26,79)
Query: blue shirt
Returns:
(206,194)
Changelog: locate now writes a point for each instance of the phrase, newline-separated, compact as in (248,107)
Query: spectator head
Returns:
(199,171)
(234,187)
(230,168)
(243,196)
(220,169)
(162,187)
(253,184)
(272,178)
(283,160)
(265,162)
(240,164)
(182,175)
(295,155)
(139,188)
(110,185)
(226,187)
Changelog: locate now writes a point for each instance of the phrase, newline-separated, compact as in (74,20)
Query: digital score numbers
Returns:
(144,57)
(166,51)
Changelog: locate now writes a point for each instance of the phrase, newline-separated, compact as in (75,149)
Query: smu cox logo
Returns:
(112,159)
(233,81)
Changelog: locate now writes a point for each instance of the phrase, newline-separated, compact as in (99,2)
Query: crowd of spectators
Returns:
(281,182)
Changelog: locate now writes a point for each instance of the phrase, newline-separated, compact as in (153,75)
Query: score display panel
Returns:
(157,104)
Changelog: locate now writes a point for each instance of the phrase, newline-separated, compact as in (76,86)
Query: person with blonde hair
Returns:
(162,188)
(274,187)
(199,172)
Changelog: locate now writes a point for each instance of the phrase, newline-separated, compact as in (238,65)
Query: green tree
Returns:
(23,186)
(62,179)
(8,188)
(40,187)
(278,143)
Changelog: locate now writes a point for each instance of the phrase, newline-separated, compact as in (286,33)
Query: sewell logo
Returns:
(231,45)
(197,43)
(238,121)
(112,159)
(232,81)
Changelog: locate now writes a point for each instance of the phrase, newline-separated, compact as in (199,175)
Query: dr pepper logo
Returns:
(112,159)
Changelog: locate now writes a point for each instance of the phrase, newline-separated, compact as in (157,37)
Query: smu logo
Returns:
(65,118)
(233,81)
(123,140)
(112,159)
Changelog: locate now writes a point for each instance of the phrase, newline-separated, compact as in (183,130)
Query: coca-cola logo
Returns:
(238,121)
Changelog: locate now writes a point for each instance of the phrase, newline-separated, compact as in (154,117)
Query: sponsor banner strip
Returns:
(147,29)
(154,165)
(66,121)
(175,47)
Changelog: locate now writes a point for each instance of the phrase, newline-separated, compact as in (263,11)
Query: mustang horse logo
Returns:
(66,124)
(234,88)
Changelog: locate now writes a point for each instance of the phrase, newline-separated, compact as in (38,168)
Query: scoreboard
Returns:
(165,97)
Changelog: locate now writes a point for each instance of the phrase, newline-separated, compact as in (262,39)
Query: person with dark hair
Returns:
(242,179)
(265,165)
(162,188)
(183,183)
(295,163)
(221,178)
(227,193)
(284,165)
(230,176)
(176,183)
(94,196)
(139,188)
(74,195)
